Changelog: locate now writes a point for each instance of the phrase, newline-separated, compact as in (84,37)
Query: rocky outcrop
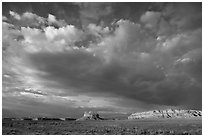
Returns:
(168,113)
(90,116)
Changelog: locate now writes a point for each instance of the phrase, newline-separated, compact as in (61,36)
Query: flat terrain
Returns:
(111,127)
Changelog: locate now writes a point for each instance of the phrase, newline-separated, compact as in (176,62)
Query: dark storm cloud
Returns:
(178,15)
(173,18)
(93,12)
(149,78)
(152,57)
(90,74)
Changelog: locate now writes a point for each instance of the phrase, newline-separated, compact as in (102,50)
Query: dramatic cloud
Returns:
(50,38)
(29,19)
(151,18)
(92,12)
(182,18)
(127,65)
(15,15)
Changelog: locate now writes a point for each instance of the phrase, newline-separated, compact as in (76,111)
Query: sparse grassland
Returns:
(110,127)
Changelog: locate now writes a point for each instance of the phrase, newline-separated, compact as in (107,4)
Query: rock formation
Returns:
(90,116)
(168,113)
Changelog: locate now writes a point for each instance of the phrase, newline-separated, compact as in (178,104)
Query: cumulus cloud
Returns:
(52,20)
(104,67)
(15,15)
(97,30)
(29,19)
(125,61)
(50,39)
(4,18)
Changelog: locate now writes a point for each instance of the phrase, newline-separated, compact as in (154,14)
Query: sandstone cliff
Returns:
(90,116)
(168,113)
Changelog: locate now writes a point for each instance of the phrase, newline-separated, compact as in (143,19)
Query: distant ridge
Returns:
(168,113)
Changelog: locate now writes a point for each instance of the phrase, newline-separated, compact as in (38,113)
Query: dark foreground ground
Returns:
(111,127)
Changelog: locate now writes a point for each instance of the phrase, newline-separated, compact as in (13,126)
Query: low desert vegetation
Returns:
(109,127)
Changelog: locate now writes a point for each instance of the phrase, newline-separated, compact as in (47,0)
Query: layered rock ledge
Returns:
(168,113)
(90,116)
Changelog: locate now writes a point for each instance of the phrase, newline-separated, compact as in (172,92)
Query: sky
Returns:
(61,59)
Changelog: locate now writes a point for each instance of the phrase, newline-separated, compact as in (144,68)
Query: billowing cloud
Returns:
(15,15)
(29,19)
(155,62)
(97,30)
(106,66)
(50,38)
